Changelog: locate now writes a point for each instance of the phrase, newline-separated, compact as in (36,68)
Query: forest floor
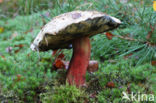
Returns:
(28,77)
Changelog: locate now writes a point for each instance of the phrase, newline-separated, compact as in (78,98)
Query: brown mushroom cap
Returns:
(63,29)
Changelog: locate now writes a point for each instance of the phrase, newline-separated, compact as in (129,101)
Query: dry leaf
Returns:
(129,89)
(18,77)
(110,85)
(93,66)
(109,35)
(153,63)
(28,31)
(16,51)
(150,32)
(54,52)
(127,56)
(154,5)
(28,55)
(20,45)
(1,29)
(3,57)
(61,56)
(59,64)
(1,1)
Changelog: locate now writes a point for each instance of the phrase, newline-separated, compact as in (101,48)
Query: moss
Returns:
(63,94)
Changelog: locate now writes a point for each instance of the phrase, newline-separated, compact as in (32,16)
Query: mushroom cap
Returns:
(63,29)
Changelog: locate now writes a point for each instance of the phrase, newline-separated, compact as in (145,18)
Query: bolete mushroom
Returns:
(74,28)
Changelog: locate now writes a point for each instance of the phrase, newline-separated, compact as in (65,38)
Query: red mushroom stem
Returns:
(79,62)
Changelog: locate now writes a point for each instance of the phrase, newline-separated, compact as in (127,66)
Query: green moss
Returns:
(63,94)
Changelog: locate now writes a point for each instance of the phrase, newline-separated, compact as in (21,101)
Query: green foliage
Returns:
(135,79)
(138,20)
(15,7)
(114,94)
(140,73)
(63,94)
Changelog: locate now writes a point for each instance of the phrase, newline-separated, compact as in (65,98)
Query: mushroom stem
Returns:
(79,62)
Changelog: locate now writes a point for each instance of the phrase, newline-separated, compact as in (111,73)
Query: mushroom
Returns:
(74,28)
